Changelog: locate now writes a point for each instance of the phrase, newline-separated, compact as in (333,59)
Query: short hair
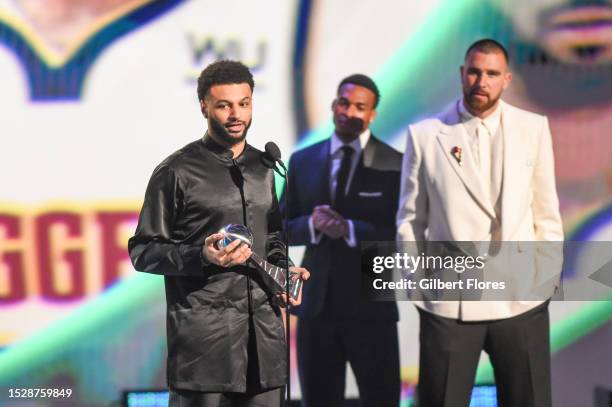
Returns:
(487,45)
(223,72)
(364,81)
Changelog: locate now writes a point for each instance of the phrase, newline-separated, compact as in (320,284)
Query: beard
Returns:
(352,126)
(219,130)
(478,105)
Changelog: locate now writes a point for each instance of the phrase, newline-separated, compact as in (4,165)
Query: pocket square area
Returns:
(370,194)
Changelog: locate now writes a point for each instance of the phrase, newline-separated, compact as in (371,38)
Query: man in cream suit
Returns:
(483,171)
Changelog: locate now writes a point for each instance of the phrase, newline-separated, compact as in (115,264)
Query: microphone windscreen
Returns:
(273,151)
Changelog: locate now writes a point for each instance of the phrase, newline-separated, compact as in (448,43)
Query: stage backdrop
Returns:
(94,94)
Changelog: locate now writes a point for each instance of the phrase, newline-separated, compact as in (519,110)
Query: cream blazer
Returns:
(442,199)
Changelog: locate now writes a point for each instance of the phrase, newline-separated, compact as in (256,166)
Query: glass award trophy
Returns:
(277,274)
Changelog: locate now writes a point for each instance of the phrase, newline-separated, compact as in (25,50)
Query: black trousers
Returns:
(519,349)
(372,349)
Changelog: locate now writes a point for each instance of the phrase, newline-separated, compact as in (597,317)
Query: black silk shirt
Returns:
(191,195)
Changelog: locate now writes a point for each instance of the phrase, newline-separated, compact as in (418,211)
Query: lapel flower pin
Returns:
(458,154)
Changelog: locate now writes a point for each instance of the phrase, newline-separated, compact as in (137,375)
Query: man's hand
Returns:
(329,222)
(319,218)
(234,254)
(300,273)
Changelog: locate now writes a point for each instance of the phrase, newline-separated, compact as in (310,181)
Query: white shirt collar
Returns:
(358,144)
(492,121)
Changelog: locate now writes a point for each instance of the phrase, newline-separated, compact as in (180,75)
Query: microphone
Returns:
(269,158)
(268,162)
(274,154)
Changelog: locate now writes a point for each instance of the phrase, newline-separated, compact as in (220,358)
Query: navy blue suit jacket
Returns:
(334,288)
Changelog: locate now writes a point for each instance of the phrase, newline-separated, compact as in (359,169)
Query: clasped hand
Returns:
(329,222)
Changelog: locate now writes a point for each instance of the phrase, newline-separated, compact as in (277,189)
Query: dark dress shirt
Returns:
(211,310)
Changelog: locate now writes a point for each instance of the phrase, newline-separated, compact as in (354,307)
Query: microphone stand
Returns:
(288,305)
(287,280)
(270,158)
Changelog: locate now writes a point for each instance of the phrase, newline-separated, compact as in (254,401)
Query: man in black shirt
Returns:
(226,342)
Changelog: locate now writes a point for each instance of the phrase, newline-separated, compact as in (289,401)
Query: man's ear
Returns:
(204,108)
(373,116)
(507,79)
(333,105)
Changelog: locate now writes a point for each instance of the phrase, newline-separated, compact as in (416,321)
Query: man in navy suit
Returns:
(343,191)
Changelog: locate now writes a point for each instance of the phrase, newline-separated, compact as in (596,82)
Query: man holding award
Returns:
(226,342)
